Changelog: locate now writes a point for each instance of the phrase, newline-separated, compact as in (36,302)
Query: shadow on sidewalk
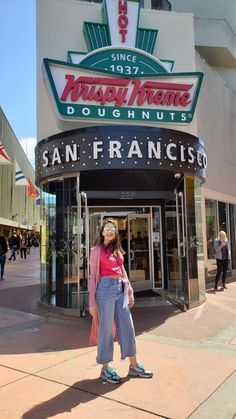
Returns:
(22,298)
(149,318)
(215,292)
(80,392)
(60,334)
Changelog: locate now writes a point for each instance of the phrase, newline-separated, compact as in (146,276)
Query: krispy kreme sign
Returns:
(80,93)
(121,82)
(121,91)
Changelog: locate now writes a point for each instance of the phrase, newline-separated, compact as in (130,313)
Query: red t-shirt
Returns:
(110,265)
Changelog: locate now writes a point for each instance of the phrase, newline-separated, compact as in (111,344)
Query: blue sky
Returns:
(18,66)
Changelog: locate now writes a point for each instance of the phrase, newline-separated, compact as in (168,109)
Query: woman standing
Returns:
(111,297)
(222,250)
(23,247)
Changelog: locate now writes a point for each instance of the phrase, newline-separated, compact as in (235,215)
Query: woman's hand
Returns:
(131,302)
(93,311)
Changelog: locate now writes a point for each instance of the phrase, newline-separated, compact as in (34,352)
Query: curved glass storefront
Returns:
(149,181)
(162,241)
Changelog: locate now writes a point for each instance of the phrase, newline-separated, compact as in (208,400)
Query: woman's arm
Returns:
(94,260)
(130,288)
(218,245)
(228,247)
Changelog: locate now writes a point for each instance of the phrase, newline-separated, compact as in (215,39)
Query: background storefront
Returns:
(18,211)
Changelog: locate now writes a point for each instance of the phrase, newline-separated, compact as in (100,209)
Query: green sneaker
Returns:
(109,375)
(139,371)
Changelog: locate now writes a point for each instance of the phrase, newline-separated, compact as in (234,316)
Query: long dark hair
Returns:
(115,245)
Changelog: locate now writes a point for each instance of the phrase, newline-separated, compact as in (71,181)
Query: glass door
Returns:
(135,237)
(95,223)
(176,246)
(138,250)
(158,282)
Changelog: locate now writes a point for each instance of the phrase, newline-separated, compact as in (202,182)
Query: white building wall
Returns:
(227,74)
(217,128)
(213,9)
(215,33)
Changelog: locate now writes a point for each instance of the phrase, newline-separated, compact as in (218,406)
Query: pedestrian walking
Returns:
(28,245)
(18,239)
(13,246)
(3,251)
(222,250)
(23,247)
(111,298)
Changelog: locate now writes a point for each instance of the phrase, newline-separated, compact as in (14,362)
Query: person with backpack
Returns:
(3,251)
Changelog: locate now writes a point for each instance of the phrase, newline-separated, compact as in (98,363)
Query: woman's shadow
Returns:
(79,392)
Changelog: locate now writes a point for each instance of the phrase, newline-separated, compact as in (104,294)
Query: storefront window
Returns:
(195,241)
(232,220)
(184,244)
(211,234)
(134,226)
(222,215)
(176,246)
(161,5)
(59,255)
(219,216)
(171,246)
(48,251)
(157,248)
(224,221)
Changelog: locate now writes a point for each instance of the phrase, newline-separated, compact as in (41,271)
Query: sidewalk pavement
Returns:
(48,370)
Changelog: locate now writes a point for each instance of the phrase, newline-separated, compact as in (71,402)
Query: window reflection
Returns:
(211,233)
(161,5)
(216,220)
(232,219)
(157,248)
(59,253)
(195,240)
(222,212)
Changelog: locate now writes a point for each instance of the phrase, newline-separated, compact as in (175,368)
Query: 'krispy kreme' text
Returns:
(128,91)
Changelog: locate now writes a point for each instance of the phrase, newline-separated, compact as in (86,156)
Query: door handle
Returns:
(180,243)
(183,229)
(178,226)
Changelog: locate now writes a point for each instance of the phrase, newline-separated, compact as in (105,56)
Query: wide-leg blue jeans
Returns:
(109,301)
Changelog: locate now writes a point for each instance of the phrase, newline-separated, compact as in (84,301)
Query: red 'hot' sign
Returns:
(123,19)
